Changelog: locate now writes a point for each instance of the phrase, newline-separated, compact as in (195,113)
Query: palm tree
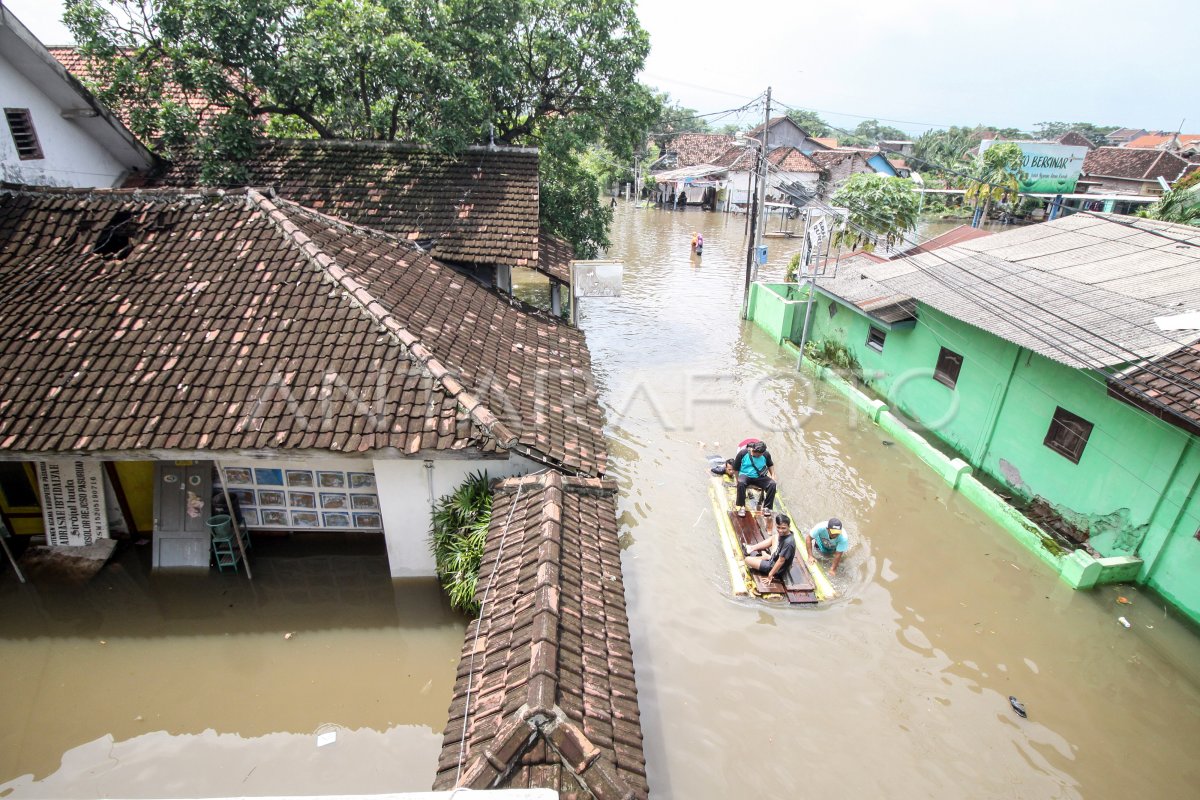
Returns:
(1181,205)
(994,174)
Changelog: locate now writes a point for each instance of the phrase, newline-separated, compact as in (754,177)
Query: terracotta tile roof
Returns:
(1137,164)
(1165,387)
(1076,139)
(790,159)
(549,664)
(737,158)
(555,257)
(84,69)
(1159,139)
(828,141)
(696,148)
(220,325)
(479,206)
(828,158)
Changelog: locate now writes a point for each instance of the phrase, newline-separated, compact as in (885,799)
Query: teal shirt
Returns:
(820,538)
(754,466)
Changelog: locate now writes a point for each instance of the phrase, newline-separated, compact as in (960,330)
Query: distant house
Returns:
(903,147)
(1166,141)
(57,133)
(339,376)
(1129,170)
(789,168)
(838,165)
(691,149)
(783,132)
(1124,135)
(1076,139)
(477,210)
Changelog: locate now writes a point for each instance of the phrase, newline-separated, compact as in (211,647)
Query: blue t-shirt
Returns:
(754,466)
(820,537)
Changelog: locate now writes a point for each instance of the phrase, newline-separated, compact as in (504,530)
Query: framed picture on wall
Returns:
(362,480)
(364,501)
(268,477)
(305,519)
(273,517)
(302,500)
(367,521)
(336,520)
(239,475)
(300,477)
(271,497)
(334,500)
(331,480)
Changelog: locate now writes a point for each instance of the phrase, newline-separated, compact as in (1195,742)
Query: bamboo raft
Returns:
(805,583)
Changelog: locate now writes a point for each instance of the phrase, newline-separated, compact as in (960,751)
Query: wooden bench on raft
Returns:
(799,586)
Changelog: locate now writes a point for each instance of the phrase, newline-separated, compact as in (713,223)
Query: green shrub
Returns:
(834,355)
(457,537)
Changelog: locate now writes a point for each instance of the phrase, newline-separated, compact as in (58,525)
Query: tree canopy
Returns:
(997,172)
(558,74)
(810,121)
(1096,134)
(880,208)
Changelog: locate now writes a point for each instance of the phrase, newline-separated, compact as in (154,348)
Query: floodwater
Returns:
(209,685)
(901,687)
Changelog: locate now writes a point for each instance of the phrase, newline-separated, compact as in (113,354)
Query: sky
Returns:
(919,63)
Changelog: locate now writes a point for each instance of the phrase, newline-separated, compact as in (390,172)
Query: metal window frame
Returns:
(31,150)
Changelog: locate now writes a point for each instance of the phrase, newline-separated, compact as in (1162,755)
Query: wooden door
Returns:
(182,506)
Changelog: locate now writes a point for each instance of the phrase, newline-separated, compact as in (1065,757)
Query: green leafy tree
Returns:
(995,174)
(552,73)
(672,119)
(810,121)
(879,209)
(944,152)
(870,131)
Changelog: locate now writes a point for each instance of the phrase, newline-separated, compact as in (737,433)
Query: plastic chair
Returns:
(224,549)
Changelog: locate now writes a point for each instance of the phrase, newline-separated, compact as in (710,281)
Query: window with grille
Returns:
(20,125)
(876,338)
(948,365)
(832,309)
(1068,434)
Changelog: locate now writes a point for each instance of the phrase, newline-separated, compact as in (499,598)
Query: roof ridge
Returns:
(361,296)
(411,147)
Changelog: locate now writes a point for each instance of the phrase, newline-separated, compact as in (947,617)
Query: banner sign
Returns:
(1050,168)
(72,502)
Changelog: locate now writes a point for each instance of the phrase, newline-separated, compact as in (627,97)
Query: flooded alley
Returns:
(900,687)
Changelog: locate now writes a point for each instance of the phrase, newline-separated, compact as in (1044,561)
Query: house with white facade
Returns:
(56,132)
(333,377)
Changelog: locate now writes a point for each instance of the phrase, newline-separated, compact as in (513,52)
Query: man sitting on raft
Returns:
(754,467)
(826,538)
(780,549)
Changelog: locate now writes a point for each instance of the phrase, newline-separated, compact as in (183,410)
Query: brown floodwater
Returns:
(899,688)
(186,686)
(189,686)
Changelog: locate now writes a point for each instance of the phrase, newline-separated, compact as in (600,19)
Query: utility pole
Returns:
(762,178)
(751,258)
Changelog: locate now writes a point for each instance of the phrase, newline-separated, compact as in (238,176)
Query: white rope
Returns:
(479,623)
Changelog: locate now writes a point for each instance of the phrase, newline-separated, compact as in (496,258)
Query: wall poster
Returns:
(72,501)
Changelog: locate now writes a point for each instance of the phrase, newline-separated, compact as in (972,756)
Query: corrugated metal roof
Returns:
(1083,290)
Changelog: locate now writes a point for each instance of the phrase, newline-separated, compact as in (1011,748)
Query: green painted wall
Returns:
(1134,486)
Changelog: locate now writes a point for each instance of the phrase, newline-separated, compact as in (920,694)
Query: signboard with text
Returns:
(1050,168)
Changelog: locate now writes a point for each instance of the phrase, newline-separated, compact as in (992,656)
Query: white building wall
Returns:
(71,156)
(404,497)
